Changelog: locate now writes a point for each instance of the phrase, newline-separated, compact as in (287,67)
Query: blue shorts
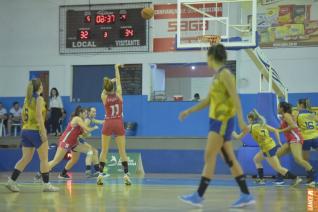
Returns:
(311,143)
(224,129)
(31,138)
(271,152)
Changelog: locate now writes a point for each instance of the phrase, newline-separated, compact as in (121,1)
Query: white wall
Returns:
(29,41)
(187,87)
(32,44)
(158,79)
(178,86)
(4,41)
(201,86)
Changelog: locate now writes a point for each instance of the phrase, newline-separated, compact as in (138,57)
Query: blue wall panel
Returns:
(161,118)
(168,161)
(245,156)
(293,98)
(154,161)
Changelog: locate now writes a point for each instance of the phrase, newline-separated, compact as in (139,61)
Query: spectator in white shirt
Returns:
(56,110)
(3,115)
(15,116)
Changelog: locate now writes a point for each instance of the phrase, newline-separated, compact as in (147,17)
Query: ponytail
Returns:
(108,85)
(256,117)
(261,119)
(33,86)
(29,92)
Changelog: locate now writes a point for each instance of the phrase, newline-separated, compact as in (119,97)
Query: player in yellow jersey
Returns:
(260,133)
(224,104)
(307,122)
(92,158)
(33,137)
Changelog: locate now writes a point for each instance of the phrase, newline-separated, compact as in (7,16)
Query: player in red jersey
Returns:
(113,124)
(70,142)
(293,137)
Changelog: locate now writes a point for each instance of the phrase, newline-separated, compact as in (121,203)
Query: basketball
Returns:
(147,13)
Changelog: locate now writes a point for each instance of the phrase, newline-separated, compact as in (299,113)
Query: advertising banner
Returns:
(114,167)
(287,23)
(165,23)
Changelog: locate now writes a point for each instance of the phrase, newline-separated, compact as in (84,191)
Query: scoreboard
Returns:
(103,28)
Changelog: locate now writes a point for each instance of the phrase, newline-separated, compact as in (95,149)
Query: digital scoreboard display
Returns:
(103,28)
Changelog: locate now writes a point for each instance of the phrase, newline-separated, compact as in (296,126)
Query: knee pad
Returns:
(226,158)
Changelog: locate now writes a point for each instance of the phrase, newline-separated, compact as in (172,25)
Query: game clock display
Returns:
(103,28)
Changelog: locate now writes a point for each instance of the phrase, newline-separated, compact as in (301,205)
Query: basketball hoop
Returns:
(212,39)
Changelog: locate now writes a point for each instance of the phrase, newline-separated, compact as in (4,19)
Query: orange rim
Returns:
(212,39)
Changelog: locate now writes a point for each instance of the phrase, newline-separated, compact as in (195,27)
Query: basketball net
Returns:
(210,39)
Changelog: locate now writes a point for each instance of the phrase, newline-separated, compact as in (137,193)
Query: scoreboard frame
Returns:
(89,47)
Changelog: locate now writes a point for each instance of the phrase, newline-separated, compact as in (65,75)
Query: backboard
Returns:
(233,20)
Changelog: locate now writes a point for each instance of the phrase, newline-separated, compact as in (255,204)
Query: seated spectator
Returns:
(3,116)
(196,97)
(15,116)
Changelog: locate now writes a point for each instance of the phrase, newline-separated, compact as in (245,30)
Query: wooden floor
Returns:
(151,193)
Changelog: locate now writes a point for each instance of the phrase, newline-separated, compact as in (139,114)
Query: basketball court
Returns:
(155,192)
(76,47)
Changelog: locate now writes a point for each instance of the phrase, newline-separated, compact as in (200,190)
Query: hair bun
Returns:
(108,84)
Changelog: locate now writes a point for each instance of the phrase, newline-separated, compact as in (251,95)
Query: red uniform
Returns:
(68,140)
(113,124)
(292,136)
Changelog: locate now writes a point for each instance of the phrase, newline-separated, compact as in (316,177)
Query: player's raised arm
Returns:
(118,81)
(103,95)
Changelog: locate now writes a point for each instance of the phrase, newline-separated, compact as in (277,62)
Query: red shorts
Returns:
(294,137)
(294,141)
(113,127)
(68,145)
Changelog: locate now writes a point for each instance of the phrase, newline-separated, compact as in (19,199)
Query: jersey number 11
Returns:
(115,110)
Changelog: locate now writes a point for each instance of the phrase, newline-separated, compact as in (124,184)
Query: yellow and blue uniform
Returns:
(261,135)
(222,109)
(308,127)
(30,129)
(91,124)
